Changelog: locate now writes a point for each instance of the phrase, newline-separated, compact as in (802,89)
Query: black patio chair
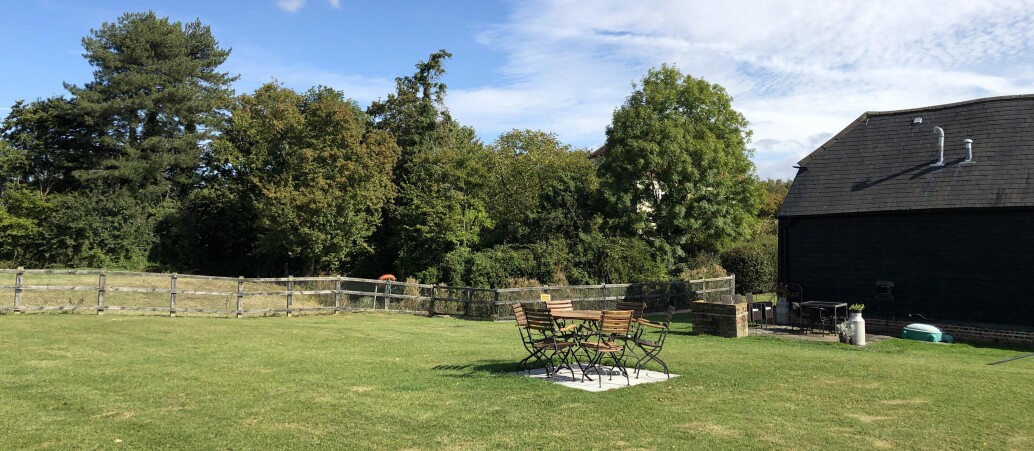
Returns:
(652,345)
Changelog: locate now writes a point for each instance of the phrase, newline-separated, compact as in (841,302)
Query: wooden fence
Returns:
(102,291)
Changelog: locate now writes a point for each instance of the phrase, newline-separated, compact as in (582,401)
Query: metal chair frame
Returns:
(550,341)
(614,326)
(651,348)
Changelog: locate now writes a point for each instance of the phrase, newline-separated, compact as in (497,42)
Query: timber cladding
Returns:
(973,266)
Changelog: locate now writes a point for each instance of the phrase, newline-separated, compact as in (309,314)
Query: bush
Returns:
(754,266)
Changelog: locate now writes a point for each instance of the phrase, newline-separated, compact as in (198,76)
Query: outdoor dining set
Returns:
(562,338)
(805,316)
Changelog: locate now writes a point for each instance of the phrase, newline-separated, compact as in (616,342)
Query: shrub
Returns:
(754,266)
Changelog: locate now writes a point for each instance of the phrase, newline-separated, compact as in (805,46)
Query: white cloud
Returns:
(294,5)
(797,70)
(290,5)
(258,67)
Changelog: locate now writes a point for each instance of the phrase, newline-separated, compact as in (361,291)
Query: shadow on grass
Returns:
(483,366)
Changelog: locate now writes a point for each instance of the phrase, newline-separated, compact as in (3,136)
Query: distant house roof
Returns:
(883,161)
(598,152)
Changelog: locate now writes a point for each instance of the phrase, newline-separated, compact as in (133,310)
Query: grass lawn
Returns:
(381,381)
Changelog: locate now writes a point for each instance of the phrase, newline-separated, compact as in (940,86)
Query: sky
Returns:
(799,71)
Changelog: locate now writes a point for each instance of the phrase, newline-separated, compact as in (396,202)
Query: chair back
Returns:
(539,320)
(637,308)
(668,315)
(727,299)
(519,315)
(615,322)
(750,297)
(559,305)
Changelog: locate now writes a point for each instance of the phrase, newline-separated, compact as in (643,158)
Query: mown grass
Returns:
(382,381)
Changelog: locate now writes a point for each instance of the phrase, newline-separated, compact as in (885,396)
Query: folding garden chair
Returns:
(548,340)
(526,338)
(652,346)
(610,342)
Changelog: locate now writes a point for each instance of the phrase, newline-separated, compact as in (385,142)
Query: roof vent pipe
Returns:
(940,146)
(969,150)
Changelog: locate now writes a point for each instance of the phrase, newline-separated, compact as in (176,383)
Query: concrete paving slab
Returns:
(608,382)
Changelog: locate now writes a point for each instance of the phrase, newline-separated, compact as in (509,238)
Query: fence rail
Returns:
(183,293)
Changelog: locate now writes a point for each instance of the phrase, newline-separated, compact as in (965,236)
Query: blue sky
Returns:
(799,71)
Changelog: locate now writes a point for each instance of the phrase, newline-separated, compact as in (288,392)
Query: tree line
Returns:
(156,163)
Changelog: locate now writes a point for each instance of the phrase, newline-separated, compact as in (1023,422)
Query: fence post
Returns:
(18,289)
(337,295)
(495,304)
(732,282)
(240,295)
(431,302)
(101,282)
(172,294)
(290,294)
(467,301)
(387,293)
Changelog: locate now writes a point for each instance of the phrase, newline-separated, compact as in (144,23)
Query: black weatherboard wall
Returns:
(955,241)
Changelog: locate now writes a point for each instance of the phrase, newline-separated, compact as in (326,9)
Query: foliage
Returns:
(315,176)
(857,307)
(677,168)
(155,97)
(754,266)
(775,192)
(606,259)
(541,189)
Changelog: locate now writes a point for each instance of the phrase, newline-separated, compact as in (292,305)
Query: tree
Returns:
(49,140)
(155,98)
(540,188)
(442,204)
(677,169)
(314,173)
(775,192)
(415,113)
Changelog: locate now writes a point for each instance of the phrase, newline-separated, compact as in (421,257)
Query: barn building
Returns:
(923,215)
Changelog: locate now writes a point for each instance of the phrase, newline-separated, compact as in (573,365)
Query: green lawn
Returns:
(380,381)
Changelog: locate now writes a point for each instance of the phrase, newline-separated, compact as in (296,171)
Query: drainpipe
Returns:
(940,146)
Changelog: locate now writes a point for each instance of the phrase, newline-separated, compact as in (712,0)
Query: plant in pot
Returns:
(845,331)
(857,324)
(856,308)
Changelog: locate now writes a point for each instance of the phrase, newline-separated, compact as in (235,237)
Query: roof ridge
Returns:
(951,105)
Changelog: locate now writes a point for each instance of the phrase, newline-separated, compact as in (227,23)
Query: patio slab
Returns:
(609,382)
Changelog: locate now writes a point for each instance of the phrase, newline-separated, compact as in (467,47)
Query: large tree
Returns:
(315,176)
(677,168)
(156,96)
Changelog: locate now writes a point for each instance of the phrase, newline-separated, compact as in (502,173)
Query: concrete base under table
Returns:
(609,383)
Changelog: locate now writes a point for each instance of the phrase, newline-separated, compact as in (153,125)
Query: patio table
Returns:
(830,305)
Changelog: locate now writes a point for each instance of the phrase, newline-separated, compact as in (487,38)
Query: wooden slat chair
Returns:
(553,306)
(637,308)
(614,324)
(526,338)
(548,340)
(652,345)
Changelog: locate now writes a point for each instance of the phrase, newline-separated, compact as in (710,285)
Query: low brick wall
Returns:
(960,332)
(723,320)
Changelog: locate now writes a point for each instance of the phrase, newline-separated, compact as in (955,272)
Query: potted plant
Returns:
(845,331)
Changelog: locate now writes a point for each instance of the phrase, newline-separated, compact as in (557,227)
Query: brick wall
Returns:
(723,320)
(960,332)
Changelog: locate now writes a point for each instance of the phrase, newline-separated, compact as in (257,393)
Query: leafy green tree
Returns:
(156,96)
(442,205)
(775,192)
(540,188)
(314,173)
(47,141)
(677,169)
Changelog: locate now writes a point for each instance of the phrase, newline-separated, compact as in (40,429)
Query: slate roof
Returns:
(882,162)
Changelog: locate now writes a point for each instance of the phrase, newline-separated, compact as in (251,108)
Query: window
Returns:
(885,290)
